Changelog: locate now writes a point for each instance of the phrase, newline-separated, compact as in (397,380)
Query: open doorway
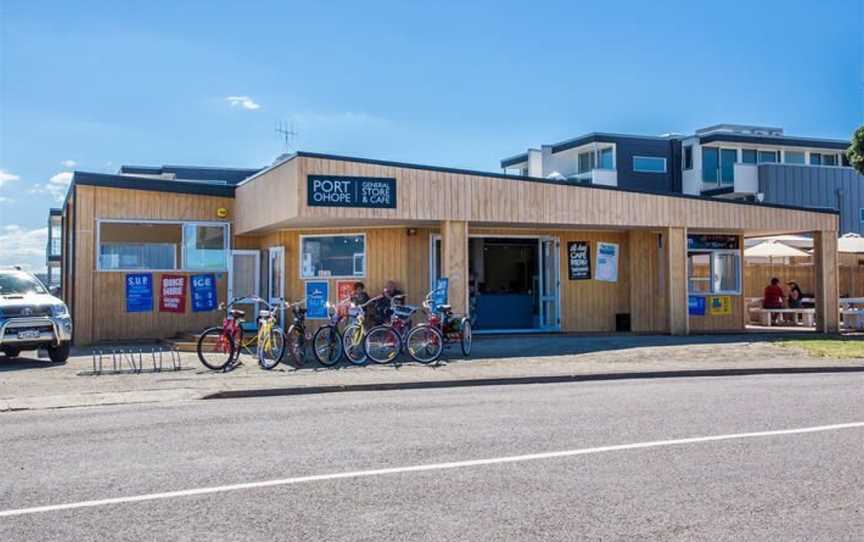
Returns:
(513,282)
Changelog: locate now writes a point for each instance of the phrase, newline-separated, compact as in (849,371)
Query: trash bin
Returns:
(622,322)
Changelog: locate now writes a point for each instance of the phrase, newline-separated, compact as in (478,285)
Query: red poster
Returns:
(344,289)
(172,297)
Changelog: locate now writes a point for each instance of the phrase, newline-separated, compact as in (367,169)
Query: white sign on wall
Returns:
(607,262)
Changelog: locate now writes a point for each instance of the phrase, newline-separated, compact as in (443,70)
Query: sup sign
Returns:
(337,191)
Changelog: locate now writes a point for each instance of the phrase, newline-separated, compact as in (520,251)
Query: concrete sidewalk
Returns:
(32,384)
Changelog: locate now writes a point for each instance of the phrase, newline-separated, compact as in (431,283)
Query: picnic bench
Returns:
(765,317)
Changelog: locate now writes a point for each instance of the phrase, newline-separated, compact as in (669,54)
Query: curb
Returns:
(519,380)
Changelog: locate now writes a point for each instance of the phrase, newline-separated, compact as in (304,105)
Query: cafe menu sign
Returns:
(578,260)
(339,191)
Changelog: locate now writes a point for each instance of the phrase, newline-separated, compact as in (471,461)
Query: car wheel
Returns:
(59,354)
(11,353)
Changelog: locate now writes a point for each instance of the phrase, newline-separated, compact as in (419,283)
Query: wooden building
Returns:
(521,254)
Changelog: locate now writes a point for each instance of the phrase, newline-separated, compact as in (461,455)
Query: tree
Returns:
(855,152)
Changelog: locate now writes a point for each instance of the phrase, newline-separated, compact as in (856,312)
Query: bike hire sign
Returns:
(337,191)
(173,293)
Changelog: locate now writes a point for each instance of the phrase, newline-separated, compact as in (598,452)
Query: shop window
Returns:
(699,272)
(333,256)
(135,245)
(714,272)
(205,247)
(158,246)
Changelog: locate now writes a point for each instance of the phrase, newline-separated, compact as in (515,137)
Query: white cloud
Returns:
(243,101)
(4,199)
(68,164)
(56,186)
(6,177)
(23,247)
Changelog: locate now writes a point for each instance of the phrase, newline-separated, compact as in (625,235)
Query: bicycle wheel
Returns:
(382,344)
(352,345)
(215,348)
(425,343)
(465,336)
(327,345)
(271,348)
(295,341)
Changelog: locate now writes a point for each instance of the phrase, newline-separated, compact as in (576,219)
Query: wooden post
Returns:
(675,252)
(827,287)
(454,252)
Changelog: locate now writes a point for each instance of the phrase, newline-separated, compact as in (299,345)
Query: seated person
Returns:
(359,296)
(795,295)
(383,311)
(773,298)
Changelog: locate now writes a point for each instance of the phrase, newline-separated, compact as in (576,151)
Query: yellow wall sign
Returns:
(222,212)
(719,305)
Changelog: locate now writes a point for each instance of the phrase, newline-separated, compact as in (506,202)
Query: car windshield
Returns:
(19,284)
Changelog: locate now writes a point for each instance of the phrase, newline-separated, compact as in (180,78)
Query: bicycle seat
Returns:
(237,313)
(445,308)
(264,314)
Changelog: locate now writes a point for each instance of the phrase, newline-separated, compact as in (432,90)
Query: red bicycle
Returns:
(426,342)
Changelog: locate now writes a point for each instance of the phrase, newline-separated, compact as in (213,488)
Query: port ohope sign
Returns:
(339,191)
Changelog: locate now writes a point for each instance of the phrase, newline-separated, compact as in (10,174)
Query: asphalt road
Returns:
(791,486)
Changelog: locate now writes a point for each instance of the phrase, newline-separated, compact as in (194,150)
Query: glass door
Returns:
(550,282)
(244,277)
(276,276)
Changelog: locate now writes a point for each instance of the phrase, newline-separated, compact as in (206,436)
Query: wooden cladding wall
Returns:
(277,198)
(393,254)
(98,298)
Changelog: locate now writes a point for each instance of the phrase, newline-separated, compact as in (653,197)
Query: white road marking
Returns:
(420,468)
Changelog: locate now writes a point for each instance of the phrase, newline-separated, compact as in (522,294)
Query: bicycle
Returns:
(385,341)
(327,341)
(296,335)
(219,347)
(353,338)
(426,342)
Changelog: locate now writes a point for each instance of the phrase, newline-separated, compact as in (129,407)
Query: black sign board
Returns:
(578,260)
(712,242)
(338,191)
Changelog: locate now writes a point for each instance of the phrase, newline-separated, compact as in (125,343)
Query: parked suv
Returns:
(31,318)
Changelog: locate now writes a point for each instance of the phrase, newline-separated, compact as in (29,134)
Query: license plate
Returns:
(28,334)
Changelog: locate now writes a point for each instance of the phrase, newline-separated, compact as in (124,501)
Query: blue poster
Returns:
(139,292)
(317,294)
(696,305)
(203,292)
(439,296)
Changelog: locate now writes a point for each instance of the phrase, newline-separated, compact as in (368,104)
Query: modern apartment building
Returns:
(753,163)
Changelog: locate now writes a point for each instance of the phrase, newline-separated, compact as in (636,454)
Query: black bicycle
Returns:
(295,337)
(327,341)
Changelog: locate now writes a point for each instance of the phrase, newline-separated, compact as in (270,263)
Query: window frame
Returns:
(338,277)
(178,266)
(713,254)
(803,155)
(665,164)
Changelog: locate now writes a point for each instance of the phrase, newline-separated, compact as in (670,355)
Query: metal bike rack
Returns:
(162,358)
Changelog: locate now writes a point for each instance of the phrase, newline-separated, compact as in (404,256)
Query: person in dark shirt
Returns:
(773,297)
(795,295)
(359,296)
(391,297)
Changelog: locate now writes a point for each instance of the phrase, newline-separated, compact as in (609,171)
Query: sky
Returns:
(92,85)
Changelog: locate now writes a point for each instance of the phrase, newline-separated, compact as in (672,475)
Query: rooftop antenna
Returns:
(286,133)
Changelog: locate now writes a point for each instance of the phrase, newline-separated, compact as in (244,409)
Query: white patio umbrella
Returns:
(797,241)
(850,242)
(773,249)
